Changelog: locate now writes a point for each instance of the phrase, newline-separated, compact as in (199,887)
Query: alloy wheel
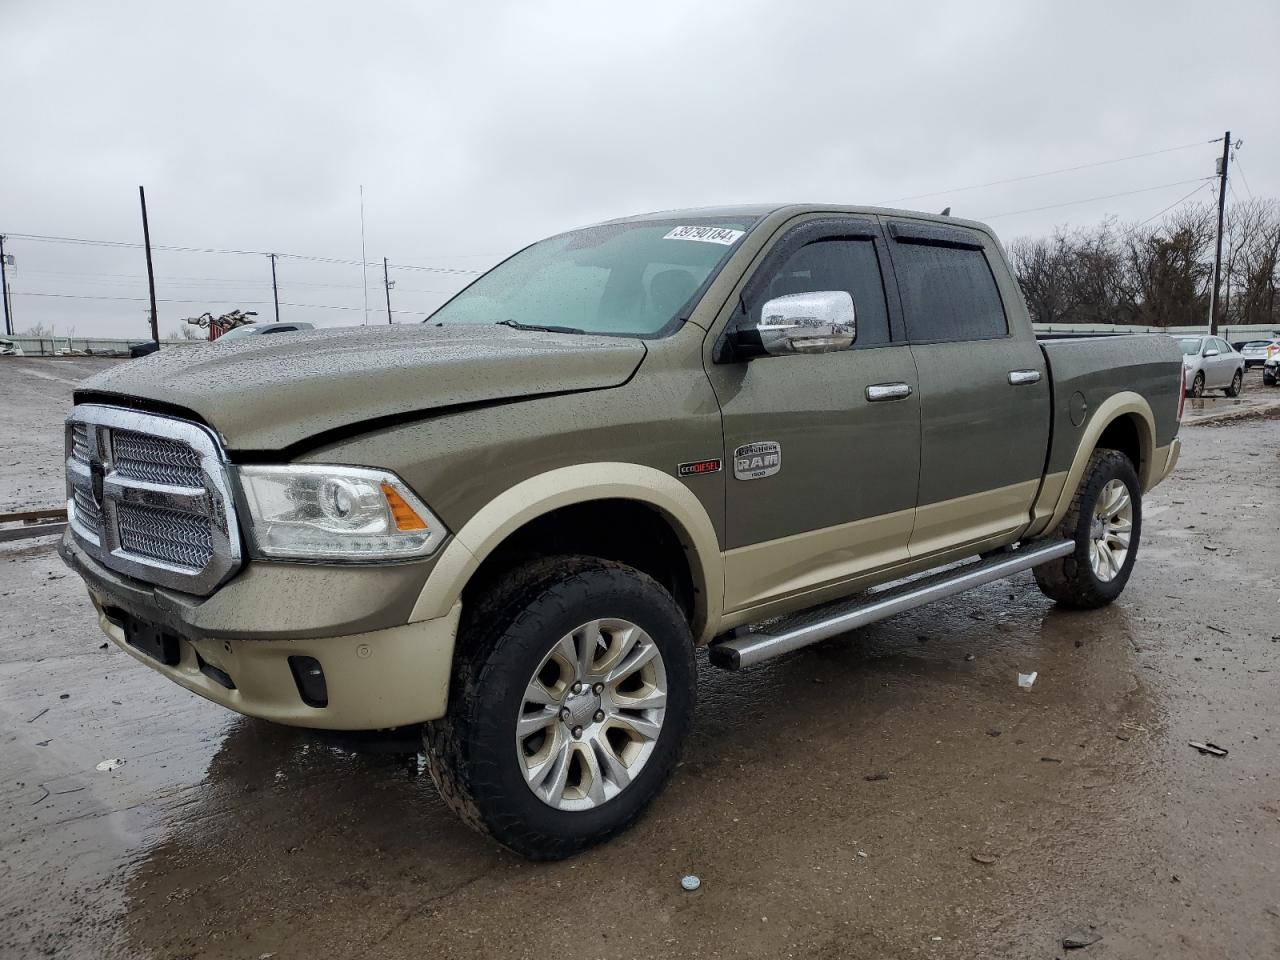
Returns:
(591,714)
(1111,530)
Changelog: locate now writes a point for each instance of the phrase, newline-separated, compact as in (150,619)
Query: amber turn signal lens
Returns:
(405,517)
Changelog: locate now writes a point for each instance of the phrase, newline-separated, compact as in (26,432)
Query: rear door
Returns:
(1227,362)
(821,473)
(984,389)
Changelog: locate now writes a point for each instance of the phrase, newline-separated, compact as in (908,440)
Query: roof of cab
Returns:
(760,210)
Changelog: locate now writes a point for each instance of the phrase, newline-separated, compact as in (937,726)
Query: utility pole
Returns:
(1217,254)
(386,283)
(4,290)
(275,292)
(364,260)
(151,276)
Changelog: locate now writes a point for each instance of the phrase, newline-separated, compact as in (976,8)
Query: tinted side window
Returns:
(849,265)
(948,293)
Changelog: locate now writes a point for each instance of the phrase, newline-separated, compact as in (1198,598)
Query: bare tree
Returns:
(1252,265)
(1043,269)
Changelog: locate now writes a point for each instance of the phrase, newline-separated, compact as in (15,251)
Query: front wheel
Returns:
(1236,383)
(1105,521)
(1197,386)
(573,694)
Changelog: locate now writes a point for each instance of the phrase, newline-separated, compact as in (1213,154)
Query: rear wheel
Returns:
(1105,521)
(573,694)
(1197,385)
(1236,383)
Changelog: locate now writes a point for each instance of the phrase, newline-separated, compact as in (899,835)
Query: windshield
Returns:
(627,279)
(1190,346)
(236,333)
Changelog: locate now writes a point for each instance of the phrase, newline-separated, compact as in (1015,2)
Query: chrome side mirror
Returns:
(1211,353)
(820,322)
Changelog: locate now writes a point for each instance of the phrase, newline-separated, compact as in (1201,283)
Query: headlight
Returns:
(309,512)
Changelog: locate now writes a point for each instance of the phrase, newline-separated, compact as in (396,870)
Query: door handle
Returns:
(1020,377)
(888,391)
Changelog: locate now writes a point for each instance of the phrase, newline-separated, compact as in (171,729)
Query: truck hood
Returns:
(275,391)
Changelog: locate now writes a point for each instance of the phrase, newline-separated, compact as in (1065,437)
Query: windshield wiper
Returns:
(517,325)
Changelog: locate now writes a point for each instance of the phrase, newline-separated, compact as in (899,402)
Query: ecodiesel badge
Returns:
(753,461)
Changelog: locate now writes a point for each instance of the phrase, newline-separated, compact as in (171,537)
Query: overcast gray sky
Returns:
(476,128)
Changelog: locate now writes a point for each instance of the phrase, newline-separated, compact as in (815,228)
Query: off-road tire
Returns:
(471,752)
(1070,580)
(1197,386)
(1237,383)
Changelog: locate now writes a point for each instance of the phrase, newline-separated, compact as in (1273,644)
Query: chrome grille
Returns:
(80,442)
(157,459)
(147,496)
(85,515)
(181,539)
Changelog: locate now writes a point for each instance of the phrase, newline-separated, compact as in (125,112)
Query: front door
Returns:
(984,389)
(1224,364)
(821,473)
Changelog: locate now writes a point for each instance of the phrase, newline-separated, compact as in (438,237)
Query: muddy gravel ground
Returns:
(892,793)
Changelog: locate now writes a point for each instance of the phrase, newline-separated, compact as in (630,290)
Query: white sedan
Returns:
(1210,363)
(1258,352)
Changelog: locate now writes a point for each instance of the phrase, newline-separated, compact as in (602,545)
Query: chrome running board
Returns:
(798,630)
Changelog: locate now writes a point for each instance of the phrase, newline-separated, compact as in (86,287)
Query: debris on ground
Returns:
(1079,938)
(690,882)
(106,766)
(984,858)
(1050,759)
(38,715)
(876,776)
(1025,680)
(1212,749)
(969,657)
(994,732)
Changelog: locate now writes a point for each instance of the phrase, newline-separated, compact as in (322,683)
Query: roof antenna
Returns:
(946,212)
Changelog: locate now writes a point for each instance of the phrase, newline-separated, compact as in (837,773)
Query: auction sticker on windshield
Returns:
(724,235)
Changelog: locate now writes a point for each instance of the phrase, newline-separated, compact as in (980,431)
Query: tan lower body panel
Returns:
(836,560)
(763,571)
(1164,459)
(386,678)
(978,516)
(844,588)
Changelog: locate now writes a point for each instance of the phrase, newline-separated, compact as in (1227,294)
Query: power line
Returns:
(169,248)
(1051,173)
(1194,190)
(1244,179)
(1108,196)
(247,303)
(74,276)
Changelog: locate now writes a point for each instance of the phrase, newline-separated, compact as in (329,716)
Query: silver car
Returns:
(1258,352)
(1210,363)
(265,329)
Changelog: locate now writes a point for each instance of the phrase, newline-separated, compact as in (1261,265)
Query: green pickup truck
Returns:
(749,428)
